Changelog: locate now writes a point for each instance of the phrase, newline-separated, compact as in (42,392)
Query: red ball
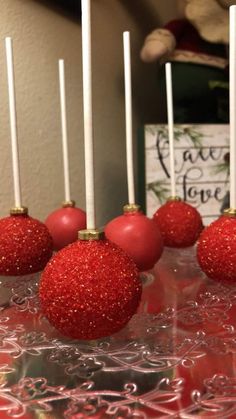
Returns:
(138,236)
(180,224)
(90,289)
(25,245)
(64,224)
(216,250)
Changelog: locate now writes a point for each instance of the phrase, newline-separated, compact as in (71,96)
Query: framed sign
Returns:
(201,167)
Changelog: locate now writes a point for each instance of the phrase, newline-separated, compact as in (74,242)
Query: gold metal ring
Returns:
(66,204)
(230,211)
(19,211)
(174,198)
(131,208)
(91,234)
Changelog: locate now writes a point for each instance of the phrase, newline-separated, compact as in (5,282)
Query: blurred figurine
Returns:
(197,46)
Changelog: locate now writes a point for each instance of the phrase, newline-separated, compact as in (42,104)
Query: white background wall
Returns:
(41,36)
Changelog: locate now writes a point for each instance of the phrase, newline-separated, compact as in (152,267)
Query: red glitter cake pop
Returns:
(90,289)
(180,224)
(64,223)
(137,235)
(216,250)
(25,244)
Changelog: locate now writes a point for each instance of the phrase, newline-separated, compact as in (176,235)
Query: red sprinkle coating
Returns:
(25,245)
(90,289)
(180,224)
(216,250)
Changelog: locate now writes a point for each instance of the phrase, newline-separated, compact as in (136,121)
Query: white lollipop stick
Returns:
(64,130)
(128,118)
(232,84)
(13,122)
(170,117)
(88,123)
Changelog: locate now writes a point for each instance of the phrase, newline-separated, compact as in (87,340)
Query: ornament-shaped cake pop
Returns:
(138,235)
(25,243)
(180,223)
(91,288)
(64,223)
(216,250)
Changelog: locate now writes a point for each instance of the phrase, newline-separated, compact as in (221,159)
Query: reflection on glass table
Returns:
(175,358)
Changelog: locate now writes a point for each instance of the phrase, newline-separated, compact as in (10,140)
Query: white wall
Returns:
(41,36)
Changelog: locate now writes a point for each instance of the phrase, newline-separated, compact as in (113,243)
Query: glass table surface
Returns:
(176,358)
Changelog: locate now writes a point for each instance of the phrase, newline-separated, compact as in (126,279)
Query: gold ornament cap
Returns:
(131,208)
(231,212)
(19,211)
(91,234)
(68,204)
(174,198)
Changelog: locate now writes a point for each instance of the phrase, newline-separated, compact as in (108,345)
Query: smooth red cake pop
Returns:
(90,289)
(216,250)
(138,236)
(64,224)
(25,245)
(180,224)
